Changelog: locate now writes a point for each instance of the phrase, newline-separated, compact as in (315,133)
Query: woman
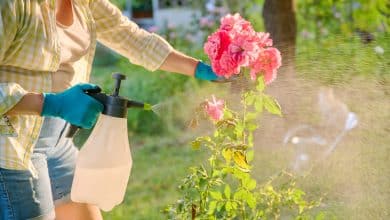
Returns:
(46,50)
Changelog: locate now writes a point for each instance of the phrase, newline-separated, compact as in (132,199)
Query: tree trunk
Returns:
(280,22)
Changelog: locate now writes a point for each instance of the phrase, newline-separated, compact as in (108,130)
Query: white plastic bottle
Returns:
(103,165)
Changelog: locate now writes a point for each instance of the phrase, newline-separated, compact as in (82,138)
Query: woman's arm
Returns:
(141,47)
(180,63)
(62,105)
(125,37)
(30,104)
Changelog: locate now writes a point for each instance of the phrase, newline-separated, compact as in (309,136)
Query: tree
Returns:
(280,22)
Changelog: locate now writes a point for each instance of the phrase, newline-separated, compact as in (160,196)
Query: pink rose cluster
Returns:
(237,45)
(214,108)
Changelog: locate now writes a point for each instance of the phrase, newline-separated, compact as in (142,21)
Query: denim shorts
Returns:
(24,197)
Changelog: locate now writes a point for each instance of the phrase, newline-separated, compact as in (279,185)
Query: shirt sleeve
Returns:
(117,32)
(10,93)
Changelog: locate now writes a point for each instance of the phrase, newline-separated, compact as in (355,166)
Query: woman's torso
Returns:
(75,41)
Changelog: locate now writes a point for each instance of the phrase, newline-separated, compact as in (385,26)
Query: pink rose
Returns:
(263,39)
(268,62)
(236,45)
(227,65)
(235,23)
(214,108)
(248,48)
(216,44)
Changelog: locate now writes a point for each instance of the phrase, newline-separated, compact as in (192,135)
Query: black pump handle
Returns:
(118,78)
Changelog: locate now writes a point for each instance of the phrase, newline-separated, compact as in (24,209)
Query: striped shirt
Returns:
(30,54)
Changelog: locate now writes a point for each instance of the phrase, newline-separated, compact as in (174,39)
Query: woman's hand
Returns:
(180,63)
(73,105)
(205,72)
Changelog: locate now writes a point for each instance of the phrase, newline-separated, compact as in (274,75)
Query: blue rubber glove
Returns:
(204,71)
(73,105)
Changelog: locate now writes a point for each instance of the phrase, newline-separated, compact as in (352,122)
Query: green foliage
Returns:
(224,188)
(341,16)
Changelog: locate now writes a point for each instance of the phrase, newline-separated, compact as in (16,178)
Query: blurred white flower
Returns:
(379,50)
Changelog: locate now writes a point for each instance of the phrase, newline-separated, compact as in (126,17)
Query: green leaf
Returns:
(227,191)
(202,182)
(250,142)
(250,116)
(259,104)
(239,174)
(227,113)
(228,206)
(226,170)
(272,105)
(250,200)
(239,194)
(212,207)
(239,129)
(251,126)
(250,155)
(216,195)
(249,98)
(195,145)
(260,213)
(220,206)
(235,205)
(251,184)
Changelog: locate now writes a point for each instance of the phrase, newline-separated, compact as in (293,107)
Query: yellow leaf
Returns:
(240,159)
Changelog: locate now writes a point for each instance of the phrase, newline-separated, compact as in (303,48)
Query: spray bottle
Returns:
(104,162)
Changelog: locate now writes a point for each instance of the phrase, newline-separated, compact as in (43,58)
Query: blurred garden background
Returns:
(338,46)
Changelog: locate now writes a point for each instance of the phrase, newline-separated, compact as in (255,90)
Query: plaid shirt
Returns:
(30,54)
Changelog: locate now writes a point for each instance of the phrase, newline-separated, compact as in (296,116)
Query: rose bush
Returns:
(224,187)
